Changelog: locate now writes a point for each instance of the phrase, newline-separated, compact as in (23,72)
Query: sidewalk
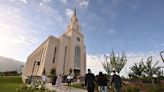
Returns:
(64,88)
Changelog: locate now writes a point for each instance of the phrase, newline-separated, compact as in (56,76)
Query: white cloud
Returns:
(137,4)
(24,1)
(50,12)
(46,0)
(16,36)
(111,31)
(116,2)
(12,0)
(69,12)
(21,32)
(94,61)
(162,44)
(83,3)
(64,1)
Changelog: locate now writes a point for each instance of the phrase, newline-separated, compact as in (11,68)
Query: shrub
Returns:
(9,73)
(53,72)
(159,87)
(79,85)
(36,86)
(131,89)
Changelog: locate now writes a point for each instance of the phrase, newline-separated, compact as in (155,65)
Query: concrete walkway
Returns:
(64,88)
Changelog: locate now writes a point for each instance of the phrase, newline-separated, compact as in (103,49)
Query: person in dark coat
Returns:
(102,82)
(54,80)
(116,81)
(90,81)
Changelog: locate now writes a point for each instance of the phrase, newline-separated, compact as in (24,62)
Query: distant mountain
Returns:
(9,64)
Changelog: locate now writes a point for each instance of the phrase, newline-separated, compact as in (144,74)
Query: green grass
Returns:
(79,85)
(9,83)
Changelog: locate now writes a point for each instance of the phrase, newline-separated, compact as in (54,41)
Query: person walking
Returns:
(54,78)
(43,78)
(59,81)
(69,79)
(116,81)
(102,82)
(90,81)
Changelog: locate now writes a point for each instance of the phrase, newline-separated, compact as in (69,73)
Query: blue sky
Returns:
(133,26)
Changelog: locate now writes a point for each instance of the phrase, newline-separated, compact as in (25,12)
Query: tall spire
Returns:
(74,11)
(74,25)
(74,17)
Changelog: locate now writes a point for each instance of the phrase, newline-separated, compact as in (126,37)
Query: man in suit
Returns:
(90,81)
(116,81)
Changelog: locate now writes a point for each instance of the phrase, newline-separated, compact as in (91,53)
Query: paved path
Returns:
(64,88)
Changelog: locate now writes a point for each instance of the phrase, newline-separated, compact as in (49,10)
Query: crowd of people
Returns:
(102,82)
(91,81)
(58,80)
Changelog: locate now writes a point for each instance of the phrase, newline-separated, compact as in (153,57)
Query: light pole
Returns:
(36,62)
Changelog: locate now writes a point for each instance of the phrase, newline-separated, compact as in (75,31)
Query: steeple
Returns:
(74,12)
(74,25)
(74,18)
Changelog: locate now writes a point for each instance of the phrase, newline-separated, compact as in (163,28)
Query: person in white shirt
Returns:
(43,78)
(69,79)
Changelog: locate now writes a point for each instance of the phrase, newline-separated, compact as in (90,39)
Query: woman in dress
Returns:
(59,81)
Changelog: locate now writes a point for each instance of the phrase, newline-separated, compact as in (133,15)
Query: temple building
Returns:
(63,53)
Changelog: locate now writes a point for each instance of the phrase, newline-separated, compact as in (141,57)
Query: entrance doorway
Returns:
(77,72)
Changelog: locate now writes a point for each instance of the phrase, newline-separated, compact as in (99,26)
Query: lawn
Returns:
(9,83)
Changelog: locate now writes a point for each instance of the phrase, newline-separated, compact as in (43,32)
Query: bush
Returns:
(9,73)
(79,85)
(159,87)
(131,89)
(53,72)
(36,86)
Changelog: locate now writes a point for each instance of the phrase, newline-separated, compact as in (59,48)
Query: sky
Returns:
(133,26)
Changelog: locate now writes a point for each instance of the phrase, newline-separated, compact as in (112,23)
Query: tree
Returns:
(150,69)
(112,61)
(53,72)
(106,65)
(70,70)
(118,62)
(137,69)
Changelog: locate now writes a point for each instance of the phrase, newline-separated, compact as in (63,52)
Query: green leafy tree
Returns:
(112,61)
(137,69)
(107,65)
(150,69)
(70,71)
(53,72)
(118,62)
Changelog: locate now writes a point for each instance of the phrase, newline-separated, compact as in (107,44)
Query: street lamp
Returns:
(36,62)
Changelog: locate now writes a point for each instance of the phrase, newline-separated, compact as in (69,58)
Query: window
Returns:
(77,57)
(42,54)
(78,39)
(65,55)
(54,54)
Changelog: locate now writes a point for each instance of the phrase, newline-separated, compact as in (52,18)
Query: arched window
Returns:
(77,57)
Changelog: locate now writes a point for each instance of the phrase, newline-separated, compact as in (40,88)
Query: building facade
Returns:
(63,53)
